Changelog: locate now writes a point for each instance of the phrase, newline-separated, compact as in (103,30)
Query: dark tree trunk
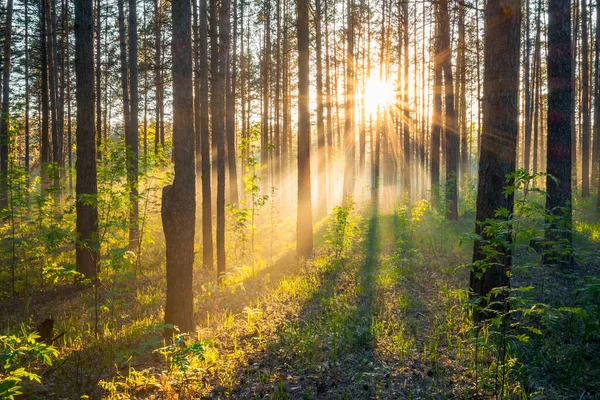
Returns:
(304,231)
(321,151)
(219,133)
(51,53)
(596,141)
(98,31)
(498,141)
(230,108)
(87,214)
(349,139)
(266,82)
(4,135)
(179,199)
(451,136)
(461,72)
(27,139)
(406,119)
(124,73)
(132,136)
(207,243)
(158,77)
(527,89)
(585,103)
(436,131)
(558,183)
(44,140)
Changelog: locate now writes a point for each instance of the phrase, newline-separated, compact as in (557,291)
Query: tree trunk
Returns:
(349,136)
(44,140)
(498,142)
(527,89)
(207,243)
(321,151)
(132,137)
(585,103)
(304,231)
(558,200)
(98,30)
(451,132)
(87,214)
(230,109)
(219,133)
(4,134)
(436,130)
(179,199)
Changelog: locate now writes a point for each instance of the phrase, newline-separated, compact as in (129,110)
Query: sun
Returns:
(378,93)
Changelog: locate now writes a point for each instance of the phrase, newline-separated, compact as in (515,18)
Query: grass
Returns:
(380,311)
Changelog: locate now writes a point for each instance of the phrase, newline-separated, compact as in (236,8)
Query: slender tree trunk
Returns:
(219,133)
(50,52)
(349,136)
(558,183)
(585,103)
(575,36)
(451,132)
(87,214)
(27,138)
(230,109)
(132,139)
(124,71)
(45,116)
(436,130)
(4,134)
(157,76)
(462,92)
(596,141)
(179,199)
(304,228)
(207,242)
(98,36)
(321,151)
(406,118)
(527,89)
(499,141)
(266,82)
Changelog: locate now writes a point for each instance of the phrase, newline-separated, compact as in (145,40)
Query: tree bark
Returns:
(4,134)
(132,137)
(179,199)
(321,149)
(585,103)
(87,250)
(558,183)
(498,142)
(304,231)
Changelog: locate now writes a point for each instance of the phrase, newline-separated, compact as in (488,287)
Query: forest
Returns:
(309,199)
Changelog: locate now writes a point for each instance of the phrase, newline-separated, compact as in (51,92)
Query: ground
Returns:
(378,312)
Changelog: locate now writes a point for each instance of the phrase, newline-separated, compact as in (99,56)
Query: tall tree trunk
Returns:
(27,138)
(124,72)
(304,230)
(179,199)
(219,133)
(558,183)
(527,89)
(98,31)
(4,134)
(575,36)
(87,214)
(462,92)
(436,131)
(321,151)
(596,141)
(585,103)
(45,116)
(349,136)
(207,242)
(157,76)
(451,132)
(230,109)
(266,82)
(132,137)
(406,118)
(50,52)
(499,141)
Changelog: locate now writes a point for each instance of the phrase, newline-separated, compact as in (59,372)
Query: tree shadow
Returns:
(326,349)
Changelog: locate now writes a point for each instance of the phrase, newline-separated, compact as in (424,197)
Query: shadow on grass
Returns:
(326,349)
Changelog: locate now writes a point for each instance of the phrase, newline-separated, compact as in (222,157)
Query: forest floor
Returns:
(377,314)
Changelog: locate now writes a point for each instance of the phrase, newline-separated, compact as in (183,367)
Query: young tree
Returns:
(499,138)
(304,231)
(558,183)
(179,199)
(87,251)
